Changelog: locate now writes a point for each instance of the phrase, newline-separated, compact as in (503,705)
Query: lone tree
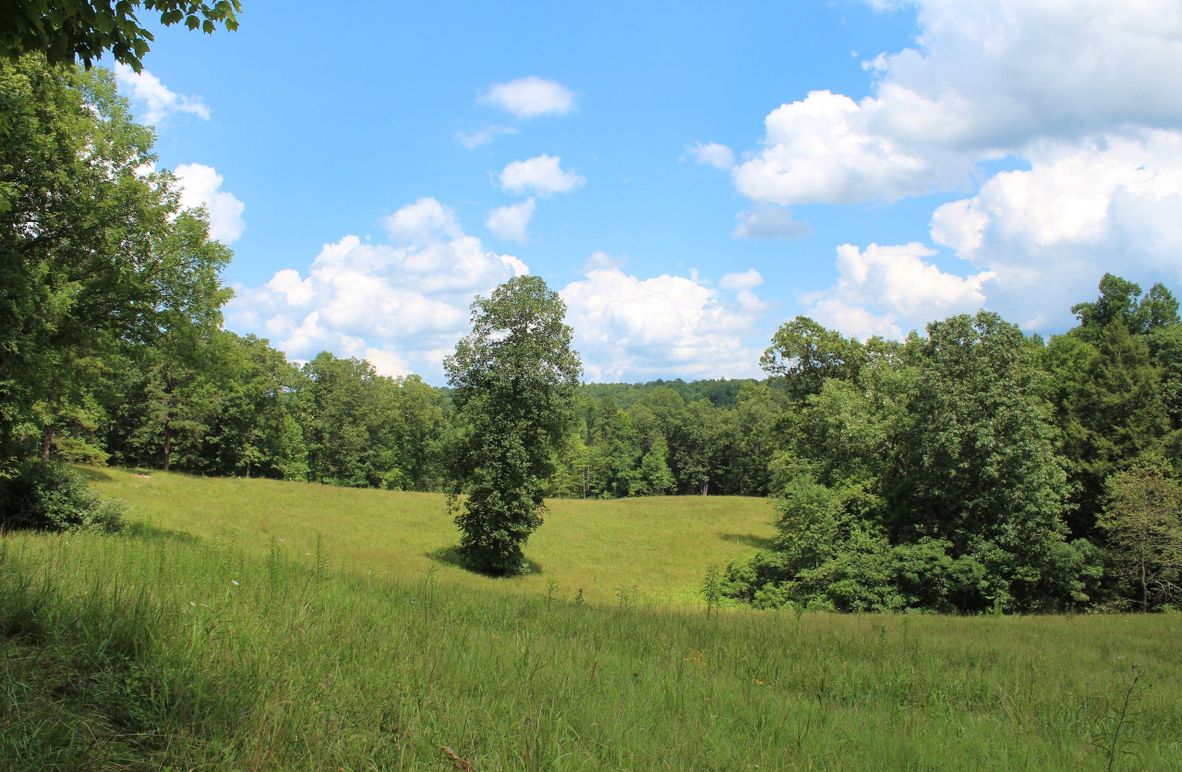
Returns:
(514,377)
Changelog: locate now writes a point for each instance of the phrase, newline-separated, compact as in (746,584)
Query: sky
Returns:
(688,176)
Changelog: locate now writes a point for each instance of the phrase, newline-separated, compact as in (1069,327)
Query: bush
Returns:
(49,496)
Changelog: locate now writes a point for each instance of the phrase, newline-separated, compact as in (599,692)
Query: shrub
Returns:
(49,496)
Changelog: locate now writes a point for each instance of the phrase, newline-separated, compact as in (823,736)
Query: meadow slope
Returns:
(202,641)
(655,549)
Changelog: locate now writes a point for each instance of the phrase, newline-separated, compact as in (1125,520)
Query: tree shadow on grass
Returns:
(748,539)
(149,532)
(451,556)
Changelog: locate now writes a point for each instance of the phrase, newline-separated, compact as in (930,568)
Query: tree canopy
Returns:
(514,377)
(68,31)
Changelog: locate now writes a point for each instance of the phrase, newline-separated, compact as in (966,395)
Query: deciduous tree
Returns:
(514,377)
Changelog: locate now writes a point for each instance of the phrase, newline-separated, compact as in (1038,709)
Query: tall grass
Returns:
(150,650)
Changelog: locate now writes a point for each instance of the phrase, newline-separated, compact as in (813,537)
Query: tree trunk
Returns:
(167,442)
(1144,590)
(46,442)
(169,390)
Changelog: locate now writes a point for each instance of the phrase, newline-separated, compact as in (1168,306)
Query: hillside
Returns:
(214,634)
(657,549)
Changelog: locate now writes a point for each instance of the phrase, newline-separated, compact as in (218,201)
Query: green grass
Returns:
(657,548)
(155,649)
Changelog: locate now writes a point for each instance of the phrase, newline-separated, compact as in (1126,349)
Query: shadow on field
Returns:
(92,474)
(749,539)
(451,556)
(149,532)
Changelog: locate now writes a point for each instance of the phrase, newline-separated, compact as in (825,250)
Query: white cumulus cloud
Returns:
(530,97)
(627,327)
(401,304)
(1074,99)
(157,101)
(823,149)
(424,220)
(1083,208)
(542,174)
(201,185)
(985,78)
(891,290)
(511,222)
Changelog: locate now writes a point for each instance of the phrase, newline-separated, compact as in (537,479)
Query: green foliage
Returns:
(514,377)
(806,354)
(981,468)
(67,31)
(1114,380)
(1142,521)
(51,496)
(927,479)
(96,258)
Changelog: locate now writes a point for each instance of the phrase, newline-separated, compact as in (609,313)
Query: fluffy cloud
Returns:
(1075,96)
(542,174)
(985,79)
(711,154)
(424,220)
(823,150)
(890,290)
(157,101)
(769,222)
(664,326)
(201,185)
(511,222)
(530,97)
(1048,233)
(994,74)
(401,305)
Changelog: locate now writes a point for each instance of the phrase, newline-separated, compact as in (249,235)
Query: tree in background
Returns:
(514,377)
(1142,520)
(95,252)
(804,355)
(1113,381)
(66,31)
(925,477)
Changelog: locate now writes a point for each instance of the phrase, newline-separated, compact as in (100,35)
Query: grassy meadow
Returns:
(657,549)
(221,637)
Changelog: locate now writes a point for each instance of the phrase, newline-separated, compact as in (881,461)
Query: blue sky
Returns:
(688,176)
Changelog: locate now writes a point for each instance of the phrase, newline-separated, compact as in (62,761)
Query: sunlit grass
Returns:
(658,549)
(218,632)
(129,651)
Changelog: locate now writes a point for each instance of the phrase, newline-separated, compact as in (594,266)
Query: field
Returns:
(657,549)
(218,634)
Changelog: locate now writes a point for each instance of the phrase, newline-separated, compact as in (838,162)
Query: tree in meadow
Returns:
(514,377)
